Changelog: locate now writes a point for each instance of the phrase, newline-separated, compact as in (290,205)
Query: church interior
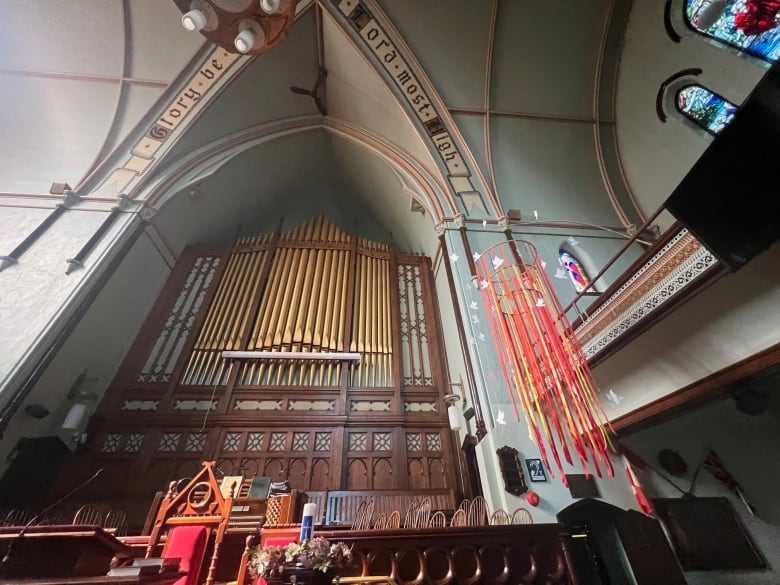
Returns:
(486,291)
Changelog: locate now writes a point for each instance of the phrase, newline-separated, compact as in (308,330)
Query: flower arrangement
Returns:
(316,554)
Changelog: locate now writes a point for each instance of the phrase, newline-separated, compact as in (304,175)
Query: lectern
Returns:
(68,555)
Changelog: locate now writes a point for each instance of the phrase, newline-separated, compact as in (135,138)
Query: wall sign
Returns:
(535,470)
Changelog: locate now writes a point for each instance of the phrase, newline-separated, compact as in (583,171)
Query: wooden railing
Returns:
(338,508)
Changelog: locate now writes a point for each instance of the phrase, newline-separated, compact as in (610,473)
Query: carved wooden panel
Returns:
(376,424)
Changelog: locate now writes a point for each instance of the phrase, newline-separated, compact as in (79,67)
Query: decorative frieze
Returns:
(258,405)
(140,405)
(414,406)
(195,405)
(369,406)
(318,405)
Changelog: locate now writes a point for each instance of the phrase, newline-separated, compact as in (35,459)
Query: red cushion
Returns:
(189,544)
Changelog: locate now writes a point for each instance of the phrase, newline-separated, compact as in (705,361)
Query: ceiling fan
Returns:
(317,92)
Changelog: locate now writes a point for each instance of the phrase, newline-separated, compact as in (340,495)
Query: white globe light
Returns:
(271,6)
(194,20)
(244,41)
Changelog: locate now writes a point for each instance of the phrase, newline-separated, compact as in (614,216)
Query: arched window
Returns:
(577,275)
(704,108)
(752,26)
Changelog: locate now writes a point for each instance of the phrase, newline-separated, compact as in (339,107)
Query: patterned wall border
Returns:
(394,60)
(669,272)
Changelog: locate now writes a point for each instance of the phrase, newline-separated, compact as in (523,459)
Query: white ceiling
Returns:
(75,77)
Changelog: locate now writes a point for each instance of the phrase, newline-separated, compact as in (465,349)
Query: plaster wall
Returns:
(742,443)
(96,346)
(731,320)
(34,294)
(657,155)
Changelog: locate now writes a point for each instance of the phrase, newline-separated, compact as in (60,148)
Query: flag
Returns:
(641,498)
(714,465)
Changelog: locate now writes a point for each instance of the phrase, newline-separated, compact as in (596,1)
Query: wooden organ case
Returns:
(379,423)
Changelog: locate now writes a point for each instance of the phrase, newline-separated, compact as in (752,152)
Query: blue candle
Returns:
(307,524)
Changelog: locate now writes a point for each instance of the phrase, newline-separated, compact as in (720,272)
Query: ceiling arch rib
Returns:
(412,176)
(379,41)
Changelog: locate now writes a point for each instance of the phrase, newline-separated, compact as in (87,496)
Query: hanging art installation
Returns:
(550,383)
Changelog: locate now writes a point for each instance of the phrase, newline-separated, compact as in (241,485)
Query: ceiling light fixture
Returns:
(452,411)
(248,27)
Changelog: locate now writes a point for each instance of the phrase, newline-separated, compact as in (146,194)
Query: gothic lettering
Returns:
(207,73)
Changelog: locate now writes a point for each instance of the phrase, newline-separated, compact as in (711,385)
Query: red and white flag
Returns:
(629,460)
(715,466)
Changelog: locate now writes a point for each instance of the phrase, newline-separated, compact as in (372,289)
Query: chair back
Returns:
(478,514)
(459,518)
(522,516)
(91,515)
(437,520)
(116,520)
(423,513)
(411,515)
(381,522)
(500,518)
(394,520)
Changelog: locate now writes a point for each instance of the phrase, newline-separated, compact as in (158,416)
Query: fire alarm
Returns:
(532,498)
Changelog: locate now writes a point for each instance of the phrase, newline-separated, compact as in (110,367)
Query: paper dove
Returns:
(476,256)
(614,398)
(474,319)
(481,337)
(454,257)
(484,223)
(560,273)
(500,418)
(540,302)
(536,214)
(473,306)
(483,284)
(544,264)
(497,262)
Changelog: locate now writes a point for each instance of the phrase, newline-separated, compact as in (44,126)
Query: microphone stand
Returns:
(47,509)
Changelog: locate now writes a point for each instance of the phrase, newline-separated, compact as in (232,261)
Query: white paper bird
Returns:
(474,319)
(544,264)
(573,242)
(500,418)
(497,262)
(560,273)
(484,223)
(454,257)
(481,337)
(473,305)
(483,284)
(540,302)
(614,398)
(472,341)
(536,214)
(476,256)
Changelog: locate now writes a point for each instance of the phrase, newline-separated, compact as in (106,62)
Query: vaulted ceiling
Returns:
(77,77)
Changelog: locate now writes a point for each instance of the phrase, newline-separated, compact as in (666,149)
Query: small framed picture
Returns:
(535,470)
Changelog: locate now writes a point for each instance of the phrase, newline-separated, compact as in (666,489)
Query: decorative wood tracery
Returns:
(175,401)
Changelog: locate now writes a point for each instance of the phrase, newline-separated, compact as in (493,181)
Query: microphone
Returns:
(47,509)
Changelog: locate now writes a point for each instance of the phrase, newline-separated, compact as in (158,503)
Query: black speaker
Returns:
(730,199)
(35,464)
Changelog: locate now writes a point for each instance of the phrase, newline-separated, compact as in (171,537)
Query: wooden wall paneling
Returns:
(438,367)
(395,321)
(400,463)
(184,356)
(139,349)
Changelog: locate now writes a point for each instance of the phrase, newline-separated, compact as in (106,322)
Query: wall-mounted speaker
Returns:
(730,199)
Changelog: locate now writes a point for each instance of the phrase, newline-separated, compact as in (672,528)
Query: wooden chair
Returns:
(459,518)
(394,520)
(465,505)
(500,518)
(478,513)
(381,522)
(437,520)
(522,516)
(365,511)
(90,514)
(411,515)
(116,520)
(423,513)
(17,517)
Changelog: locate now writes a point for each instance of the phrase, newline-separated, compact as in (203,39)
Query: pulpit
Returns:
(68,555)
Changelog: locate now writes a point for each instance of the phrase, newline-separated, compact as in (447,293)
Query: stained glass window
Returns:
(577,275)
(752,26)
(707,109)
